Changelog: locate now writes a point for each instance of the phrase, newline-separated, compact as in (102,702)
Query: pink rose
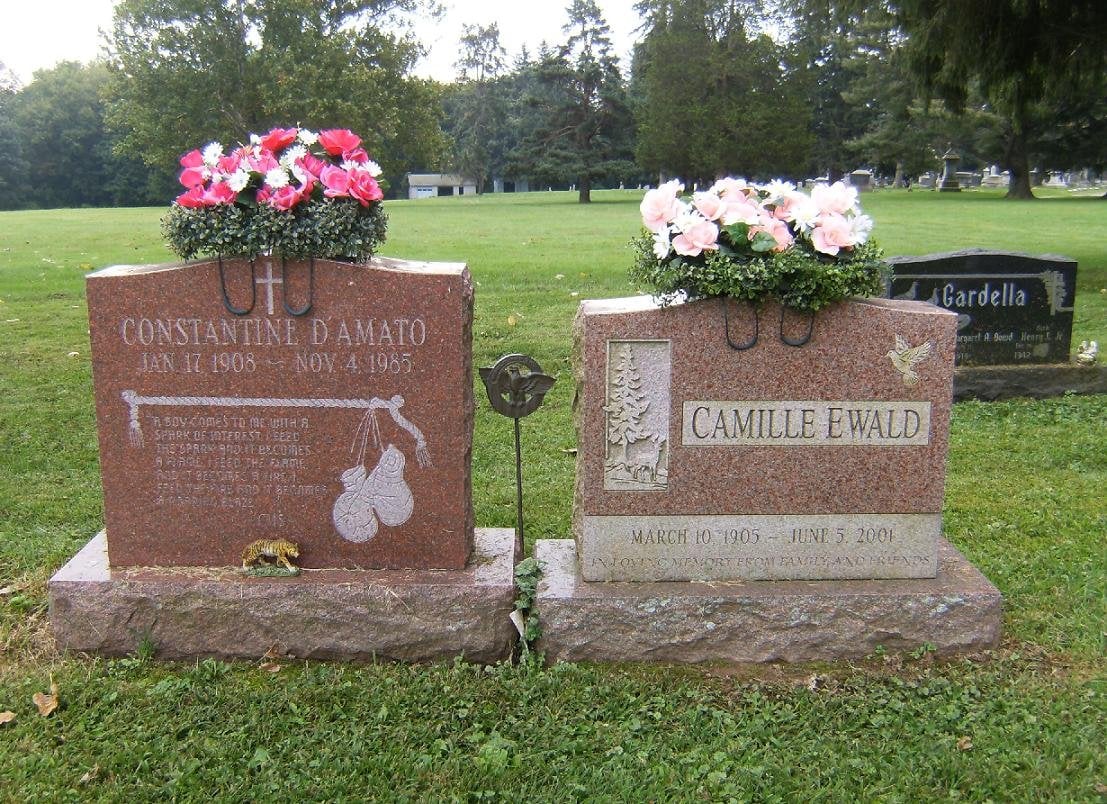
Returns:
(730,187)
(285,198)
(278,138)
(262,162)
(336,182)
(192,177)
(193,198)
(835,197)
(357,155)
(364,187)
(831,233)
(193,159)
(337,141)
(740,208)
(229,164)
(709,205)
(778,229)
(312,165)
(697,238)
(659,207)
(219,193)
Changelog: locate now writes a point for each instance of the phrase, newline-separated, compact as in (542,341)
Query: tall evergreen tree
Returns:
(712,96)
(479,104)
(584,131)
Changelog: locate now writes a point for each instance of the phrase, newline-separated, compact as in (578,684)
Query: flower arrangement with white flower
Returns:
(753,242)
(292,193)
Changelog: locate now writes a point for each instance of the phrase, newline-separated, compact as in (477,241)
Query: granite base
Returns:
(186,612)
(761,621)
(990,383)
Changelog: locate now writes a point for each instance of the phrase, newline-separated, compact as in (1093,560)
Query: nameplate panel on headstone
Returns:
(1011,308)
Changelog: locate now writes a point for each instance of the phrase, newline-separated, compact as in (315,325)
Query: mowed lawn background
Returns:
(1025,501)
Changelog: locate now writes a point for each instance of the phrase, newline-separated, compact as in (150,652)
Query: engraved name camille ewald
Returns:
(381,494)
(806,423)
(637,416)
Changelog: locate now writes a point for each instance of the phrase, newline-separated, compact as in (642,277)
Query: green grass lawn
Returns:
(1025,501)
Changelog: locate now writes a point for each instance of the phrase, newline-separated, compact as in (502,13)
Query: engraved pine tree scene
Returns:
(637,451)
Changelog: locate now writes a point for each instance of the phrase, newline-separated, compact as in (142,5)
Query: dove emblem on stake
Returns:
(905,358)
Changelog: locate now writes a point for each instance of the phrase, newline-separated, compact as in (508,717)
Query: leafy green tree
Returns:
(186,72)
(58,121)
(583,130)
(14,187)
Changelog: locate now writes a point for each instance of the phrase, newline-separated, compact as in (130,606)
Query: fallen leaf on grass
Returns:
(512,320)
(47,703)
(1100,788)
(6,717)
(964,744)
(270,667)
(7,590)
(90,775)
(74,354)
(570,451)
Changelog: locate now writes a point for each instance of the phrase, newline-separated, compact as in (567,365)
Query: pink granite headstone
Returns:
(699,461)
(347,429)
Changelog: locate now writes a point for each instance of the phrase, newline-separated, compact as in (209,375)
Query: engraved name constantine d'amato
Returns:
(193,345)
(806,423)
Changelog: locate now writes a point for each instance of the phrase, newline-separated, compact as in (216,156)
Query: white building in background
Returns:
(432,185)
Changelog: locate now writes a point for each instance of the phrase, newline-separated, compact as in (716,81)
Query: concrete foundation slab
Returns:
(990,383)
(409,615)
(761,621)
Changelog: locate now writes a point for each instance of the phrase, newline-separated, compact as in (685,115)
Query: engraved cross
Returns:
(269,280)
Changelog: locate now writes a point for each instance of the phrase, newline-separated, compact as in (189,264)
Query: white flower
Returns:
(661,244)
(805,212)
(238,180)
(289,157)
(860,227)
(349,165)
(277,178)
(687,218)
(211,153)
(255,139)
(373,168)
(307,137)
(777,190)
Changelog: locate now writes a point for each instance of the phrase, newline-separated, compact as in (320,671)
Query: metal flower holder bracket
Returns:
(516,387)
(296,312)
(750,342)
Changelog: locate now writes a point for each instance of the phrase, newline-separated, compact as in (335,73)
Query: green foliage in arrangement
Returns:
(326,229)
(801,281)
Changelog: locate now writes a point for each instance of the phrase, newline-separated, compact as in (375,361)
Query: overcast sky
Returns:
(40,33)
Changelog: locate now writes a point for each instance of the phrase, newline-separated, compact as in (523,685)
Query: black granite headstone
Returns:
(1012,308)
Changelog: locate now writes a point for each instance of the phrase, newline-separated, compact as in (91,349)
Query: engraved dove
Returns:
(905,358)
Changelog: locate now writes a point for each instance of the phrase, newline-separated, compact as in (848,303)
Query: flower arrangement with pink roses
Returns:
(291,193)
(752,242)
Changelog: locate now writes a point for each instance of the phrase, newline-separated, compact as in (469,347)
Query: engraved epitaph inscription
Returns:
(637,409)
(325,429)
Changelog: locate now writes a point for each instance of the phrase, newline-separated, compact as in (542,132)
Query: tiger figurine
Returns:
(279,551)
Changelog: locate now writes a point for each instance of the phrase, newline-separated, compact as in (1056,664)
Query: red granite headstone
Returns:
(347,429)
(700,461)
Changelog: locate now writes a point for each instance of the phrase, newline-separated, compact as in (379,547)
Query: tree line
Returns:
(758,88)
